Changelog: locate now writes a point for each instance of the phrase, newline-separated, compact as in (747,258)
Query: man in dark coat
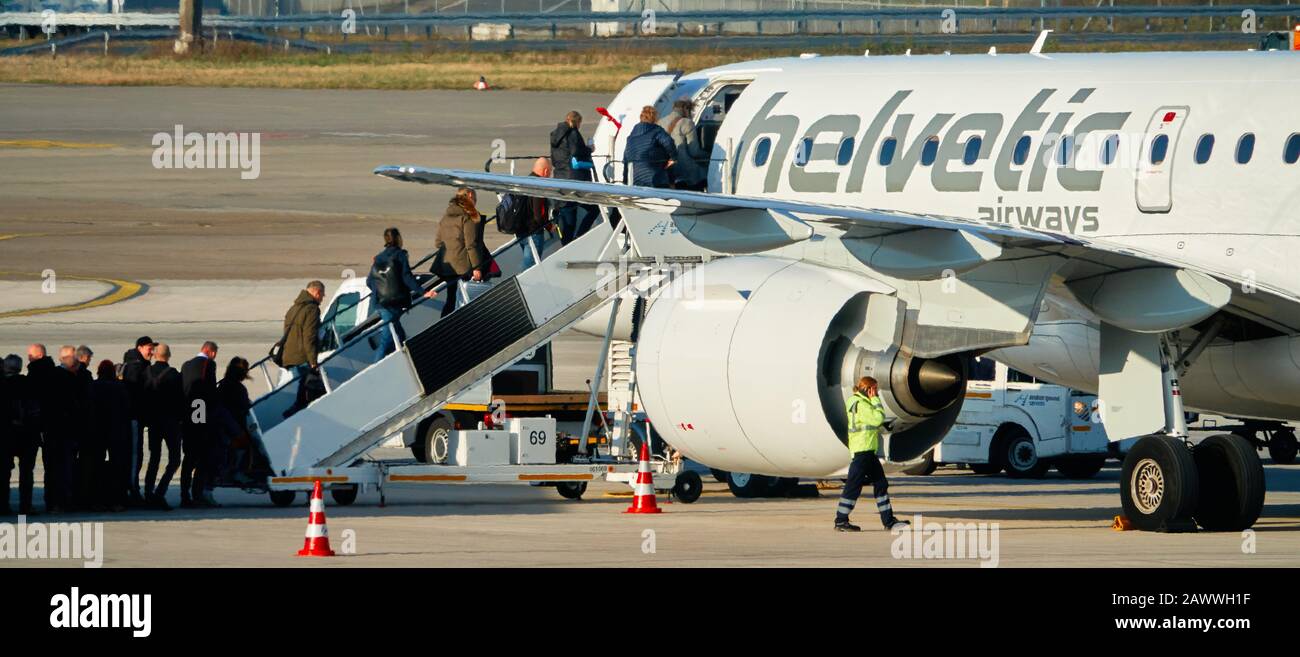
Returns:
(104,483)
(649,151)
(392,285)
(168,409)
(20,433)
(571,160)
(135,363)
(199,384)
(44,377)
(302,344)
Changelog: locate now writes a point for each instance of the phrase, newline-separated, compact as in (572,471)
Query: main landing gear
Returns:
(1169,485)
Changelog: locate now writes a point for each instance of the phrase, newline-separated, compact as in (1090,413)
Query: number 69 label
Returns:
(537,438)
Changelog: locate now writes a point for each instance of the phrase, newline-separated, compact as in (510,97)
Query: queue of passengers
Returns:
(91,431)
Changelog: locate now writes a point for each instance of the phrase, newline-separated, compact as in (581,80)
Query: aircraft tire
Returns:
(1159,484)
(1232,483)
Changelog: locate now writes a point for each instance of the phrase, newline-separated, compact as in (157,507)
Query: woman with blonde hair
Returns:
(649,151)
(460,248)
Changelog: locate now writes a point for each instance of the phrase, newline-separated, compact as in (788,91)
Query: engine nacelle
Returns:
(745,365)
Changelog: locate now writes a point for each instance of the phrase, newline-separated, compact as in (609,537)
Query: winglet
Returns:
(1037,49)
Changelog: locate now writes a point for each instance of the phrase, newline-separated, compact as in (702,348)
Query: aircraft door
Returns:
(1155,165)
(609,139)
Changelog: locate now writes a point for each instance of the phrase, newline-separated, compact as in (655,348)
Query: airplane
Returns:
(1118,223)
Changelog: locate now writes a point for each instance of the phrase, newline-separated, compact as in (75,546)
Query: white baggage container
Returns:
(479,447)
(532,440)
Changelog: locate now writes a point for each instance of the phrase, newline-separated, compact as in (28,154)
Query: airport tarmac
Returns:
(188,255)
(205,254)
(1047,522)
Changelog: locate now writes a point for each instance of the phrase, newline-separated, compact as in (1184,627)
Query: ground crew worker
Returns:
(866,415)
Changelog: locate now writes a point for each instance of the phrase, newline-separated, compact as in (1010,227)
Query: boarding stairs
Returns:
(369,398)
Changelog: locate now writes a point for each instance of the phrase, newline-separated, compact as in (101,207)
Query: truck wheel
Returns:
(1232,483)
(1080,467)
(1159,485)
(688,487)
(571,490)
(344,495)
(1282,446)
(431,443)
(925,467)
(282,498)
(1020,455)
(720,475)
(746,486)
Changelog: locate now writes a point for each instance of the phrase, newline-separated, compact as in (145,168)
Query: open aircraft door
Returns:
(608,139)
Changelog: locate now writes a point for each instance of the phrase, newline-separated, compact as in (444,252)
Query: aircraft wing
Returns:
(682,203)
(905,244)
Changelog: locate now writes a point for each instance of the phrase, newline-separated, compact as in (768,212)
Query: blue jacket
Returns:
(648,150)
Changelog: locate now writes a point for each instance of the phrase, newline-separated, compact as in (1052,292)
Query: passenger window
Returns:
(845,153)
(762,150)
(1109,149)
(1204,147)
(1021,154)
(1159,148)
(804,152)
(972,150)
(929,151)
(1065,151)
(1245,148)
(887,151)
(1292,151)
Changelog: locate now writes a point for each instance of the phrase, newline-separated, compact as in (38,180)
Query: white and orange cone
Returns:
(643,491)
(317,543)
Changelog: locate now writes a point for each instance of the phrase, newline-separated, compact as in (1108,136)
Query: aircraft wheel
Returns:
(1080,468)
(746,486)
(1020,455)
(571,490)
(1159,484)
(1282,446)
(282,498)
(344,495)
(720,475)
(688,487)
(1232,483)
(924,467)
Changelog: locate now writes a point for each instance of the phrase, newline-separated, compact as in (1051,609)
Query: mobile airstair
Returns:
(369,398)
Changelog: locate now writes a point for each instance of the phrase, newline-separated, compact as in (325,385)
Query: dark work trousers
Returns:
(162,432)
(59,455)
(22,447)
(137,458)
(195,448)
(865,469)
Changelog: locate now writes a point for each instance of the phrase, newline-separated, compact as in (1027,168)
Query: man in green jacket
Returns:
(866,415)
(302,344)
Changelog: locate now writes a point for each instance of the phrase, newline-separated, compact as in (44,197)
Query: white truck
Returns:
(1015,423)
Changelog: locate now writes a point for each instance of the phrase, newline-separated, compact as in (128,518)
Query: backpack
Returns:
(512,214)
(390,288)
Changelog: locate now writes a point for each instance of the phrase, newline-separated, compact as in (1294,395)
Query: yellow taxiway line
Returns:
(121,290)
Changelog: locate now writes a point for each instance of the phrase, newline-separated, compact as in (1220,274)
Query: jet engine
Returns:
(745,363)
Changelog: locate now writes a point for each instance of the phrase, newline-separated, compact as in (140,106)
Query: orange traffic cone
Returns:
(317,543)
(643,492)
